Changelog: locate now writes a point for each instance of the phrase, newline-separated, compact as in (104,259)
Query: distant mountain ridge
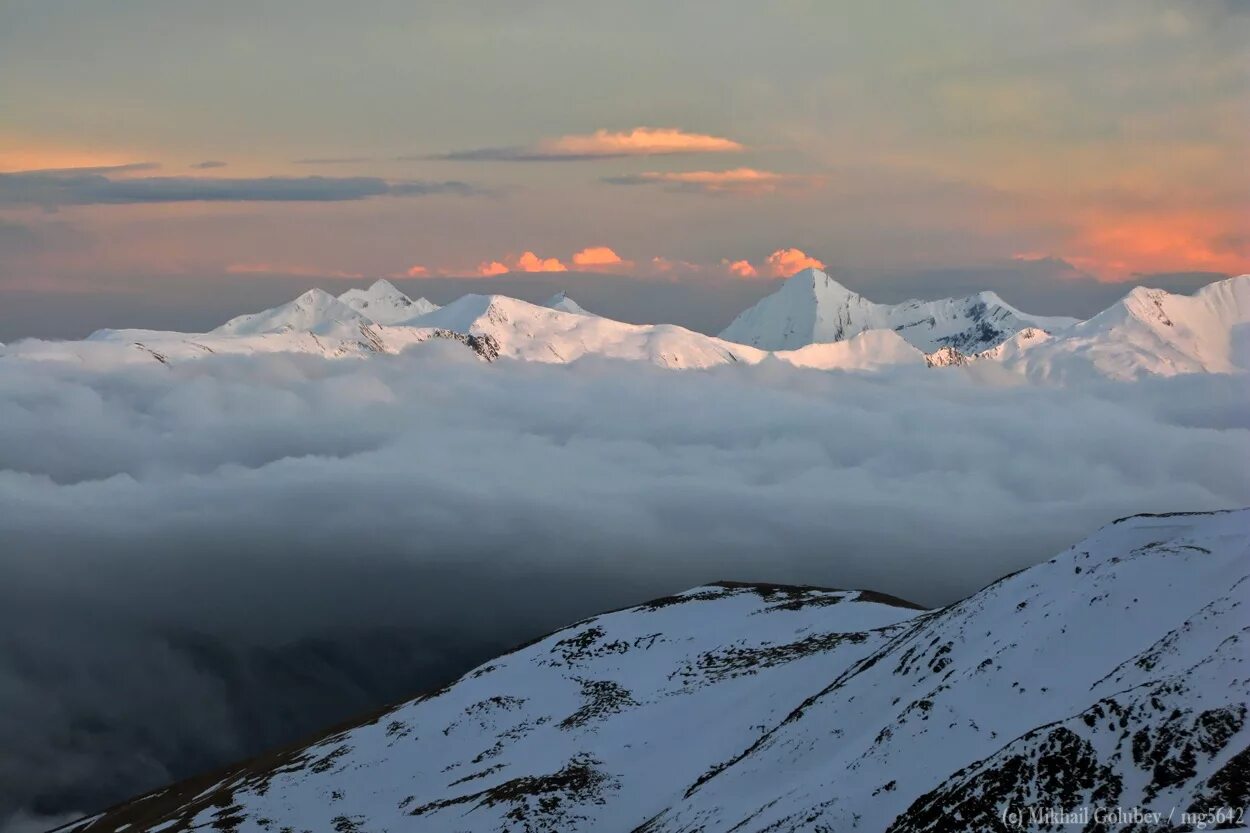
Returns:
(812,307)
(384,303)
(811,321)
(1112,676)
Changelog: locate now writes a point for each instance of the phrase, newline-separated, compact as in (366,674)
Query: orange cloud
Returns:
(743,180)
(599,259)
(417,272)
(1117,247)
(785,262)
(596,256)
(488,269)
(641,141)
(530,262)
(527,262)
(741,268)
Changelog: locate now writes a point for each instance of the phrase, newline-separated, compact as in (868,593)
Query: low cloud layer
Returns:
(219,555)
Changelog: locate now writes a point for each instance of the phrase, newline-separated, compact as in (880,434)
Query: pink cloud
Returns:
(737,180)
(785,262)
(640,141)
(417,272)
(488,269)
(530,262)
(741,268)
(599,259)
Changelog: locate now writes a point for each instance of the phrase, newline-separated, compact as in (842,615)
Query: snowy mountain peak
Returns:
(383,287)
(1149,332)
(314,309)
(822,286)
(384,303)
(812,307)
(564,303)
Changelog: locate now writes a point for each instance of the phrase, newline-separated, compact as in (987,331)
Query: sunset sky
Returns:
(182,160)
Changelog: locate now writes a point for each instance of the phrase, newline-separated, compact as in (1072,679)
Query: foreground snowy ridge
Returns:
(812,321)
(1114,675)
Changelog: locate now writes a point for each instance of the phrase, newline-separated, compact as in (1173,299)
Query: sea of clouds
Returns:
(205,559)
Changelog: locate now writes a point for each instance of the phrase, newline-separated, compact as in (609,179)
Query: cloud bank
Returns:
(216,556)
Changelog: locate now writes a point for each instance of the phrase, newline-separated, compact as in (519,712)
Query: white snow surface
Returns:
(1113,675)
(811,322)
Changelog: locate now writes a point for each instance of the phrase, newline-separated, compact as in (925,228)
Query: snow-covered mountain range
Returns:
(811,321)
(1113,676)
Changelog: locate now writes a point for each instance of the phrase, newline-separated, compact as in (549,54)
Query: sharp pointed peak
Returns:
(817,281)
(561,301)
(382,284)
(315,295)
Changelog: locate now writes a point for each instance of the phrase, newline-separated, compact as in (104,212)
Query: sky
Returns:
(171,164)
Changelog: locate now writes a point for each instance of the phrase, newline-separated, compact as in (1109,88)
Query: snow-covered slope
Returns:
(811,307)
(315,310)
(384,304)
(1114,675)
(1148,332)
(869,350)
(326,336)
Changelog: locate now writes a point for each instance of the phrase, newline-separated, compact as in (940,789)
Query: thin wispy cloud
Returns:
(735,180)
(603,144)
(332,160)
(74,187)
(89,170)
(209,163)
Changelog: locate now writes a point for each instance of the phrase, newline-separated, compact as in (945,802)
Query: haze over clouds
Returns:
(195,534)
